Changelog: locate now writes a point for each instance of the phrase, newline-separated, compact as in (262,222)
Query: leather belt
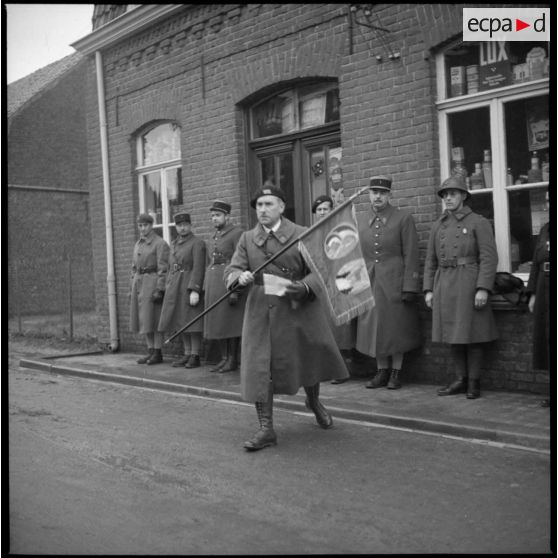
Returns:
(546,267)
(454,262)
(142,270)
(220,260)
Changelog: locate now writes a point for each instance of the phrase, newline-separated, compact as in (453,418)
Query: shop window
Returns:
(494,131)
(295,144)
(160,176)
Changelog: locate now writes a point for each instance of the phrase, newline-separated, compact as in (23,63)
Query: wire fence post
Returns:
(70,304)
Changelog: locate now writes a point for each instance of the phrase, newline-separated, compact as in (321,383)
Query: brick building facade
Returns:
(47,194)
(208,101)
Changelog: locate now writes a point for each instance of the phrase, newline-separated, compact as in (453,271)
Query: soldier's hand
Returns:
(481,298)
(428,299)
(531,303)
(157,296)
(296,291)
(194,298)
(407,296)
(245,278)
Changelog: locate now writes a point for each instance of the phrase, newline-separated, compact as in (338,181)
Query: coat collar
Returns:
(222,232)
(283,234)
(149,238)
(182,239)
(459,215)
(383,216)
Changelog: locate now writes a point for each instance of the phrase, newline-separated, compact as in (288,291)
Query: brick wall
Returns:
(202,66)
(48,200)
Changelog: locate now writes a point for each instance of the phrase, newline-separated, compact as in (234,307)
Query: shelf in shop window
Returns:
(508,90)
(527,185)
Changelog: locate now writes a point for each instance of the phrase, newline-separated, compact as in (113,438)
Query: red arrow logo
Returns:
(519,25)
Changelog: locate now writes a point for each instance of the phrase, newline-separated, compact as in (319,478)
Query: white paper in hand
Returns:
(274,285)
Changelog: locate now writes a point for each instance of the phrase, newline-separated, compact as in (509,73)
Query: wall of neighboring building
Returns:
(202,66)
(48,201)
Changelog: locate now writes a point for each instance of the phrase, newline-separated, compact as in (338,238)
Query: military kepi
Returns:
(219,205)
(182,218)
(145,218)
(381,182)
(268,191)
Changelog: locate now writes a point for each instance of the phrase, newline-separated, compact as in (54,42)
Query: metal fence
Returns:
(56,298)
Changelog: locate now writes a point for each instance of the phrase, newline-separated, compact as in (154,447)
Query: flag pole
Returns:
(302,235)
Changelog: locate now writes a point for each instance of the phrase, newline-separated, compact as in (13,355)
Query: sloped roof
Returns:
(23,90)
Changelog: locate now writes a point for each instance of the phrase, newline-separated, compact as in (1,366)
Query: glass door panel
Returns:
(277,170)
(150,200)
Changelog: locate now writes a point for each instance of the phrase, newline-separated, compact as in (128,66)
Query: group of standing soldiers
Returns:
(172,285)
(289,341)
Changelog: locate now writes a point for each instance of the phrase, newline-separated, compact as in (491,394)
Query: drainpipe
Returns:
(111,278)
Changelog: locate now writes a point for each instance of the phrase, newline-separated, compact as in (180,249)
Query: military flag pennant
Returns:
(332,251)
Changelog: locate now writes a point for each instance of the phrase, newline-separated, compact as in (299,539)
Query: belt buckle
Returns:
(546,267)
(175,267)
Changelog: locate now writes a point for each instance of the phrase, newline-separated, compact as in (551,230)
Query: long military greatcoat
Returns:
(186,274)
(224,320)
(539,285)
(390,248)
(150,255)
(460,236)
(292,346)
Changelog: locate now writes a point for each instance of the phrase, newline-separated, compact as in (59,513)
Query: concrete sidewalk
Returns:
(497,417)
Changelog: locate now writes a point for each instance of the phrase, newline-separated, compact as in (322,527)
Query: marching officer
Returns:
(183,297)
(149,270)
(389,242)
(224,322)
(459,274)
(286,340)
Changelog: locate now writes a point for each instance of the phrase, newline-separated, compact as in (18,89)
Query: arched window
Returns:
(159,173)
(295,144)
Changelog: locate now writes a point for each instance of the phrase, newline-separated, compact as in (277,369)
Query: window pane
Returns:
(470,146)
(482,204)
(161,144)
(528,213)
(335,175)
(174,186)
(151,184)
(527,137)
(277,170)
(274,116)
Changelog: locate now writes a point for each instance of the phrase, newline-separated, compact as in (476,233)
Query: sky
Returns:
(39,34)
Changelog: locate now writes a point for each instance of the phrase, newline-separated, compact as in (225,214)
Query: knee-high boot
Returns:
(459,385)
(223,349)
(323,418)
(265,436)
(232,358)
(475,353)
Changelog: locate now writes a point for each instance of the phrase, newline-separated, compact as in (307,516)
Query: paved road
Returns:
(97,468)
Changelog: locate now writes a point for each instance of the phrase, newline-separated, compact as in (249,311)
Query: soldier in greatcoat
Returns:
(224,322)
(539,301)
(459,274)
(389,243)
(286,340)
(183,297)
(149,270)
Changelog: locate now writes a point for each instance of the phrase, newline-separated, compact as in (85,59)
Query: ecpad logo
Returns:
(506,24)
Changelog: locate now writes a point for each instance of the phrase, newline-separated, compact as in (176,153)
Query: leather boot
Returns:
(394,381)
(458,386)
(232,361)
(156,357)
(380,379)
(223,349)
(265,436)
(179,363)
(323,418)
(473,388)
(144,359)
(193,362)
(475,355)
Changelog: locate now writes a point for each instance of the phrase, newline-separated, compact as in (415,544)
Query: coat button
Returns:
(270,306)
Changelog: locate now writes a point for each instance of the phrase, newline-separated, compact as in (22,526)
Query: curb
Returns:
(520,440)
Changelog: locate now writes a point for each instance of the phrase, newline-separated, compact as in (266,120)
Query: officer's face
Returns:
(183,228)
(379,198)
(323,209)
(144,229)
(453,199)
(269,210)
(218,219)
